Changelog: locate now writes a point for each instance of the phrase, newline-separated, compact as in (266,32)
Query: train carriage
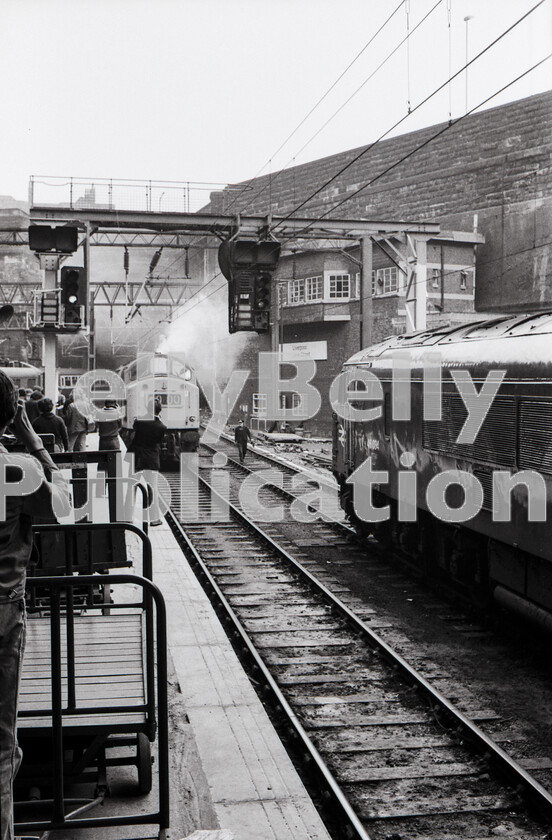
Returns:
(496,548)
(23,375)
(174,384)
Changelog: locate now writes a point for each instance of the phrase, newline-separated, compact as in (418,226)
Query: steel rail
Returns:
(540,797)
(267,456)
(286,494)
(354,827)
(307,476)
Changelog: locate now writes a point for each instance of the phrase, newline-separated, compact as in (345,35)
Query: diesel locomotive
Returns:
(174,384)
(475,509)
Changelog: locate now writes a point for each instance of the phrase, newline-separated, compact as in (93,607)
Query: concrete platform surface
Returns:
(254,788)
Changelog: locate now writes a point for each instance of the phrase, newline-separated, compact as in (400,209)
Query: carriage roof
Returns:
(520,342)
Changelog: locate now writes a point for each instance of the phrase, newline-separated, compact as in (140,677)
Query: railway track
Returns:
(391,755)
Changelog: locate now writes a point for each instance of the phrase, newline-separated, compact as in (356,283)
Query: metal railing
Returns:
(124,194)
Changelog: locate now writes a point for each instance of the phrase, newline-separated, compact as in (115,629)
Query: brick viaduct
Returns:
(496,164)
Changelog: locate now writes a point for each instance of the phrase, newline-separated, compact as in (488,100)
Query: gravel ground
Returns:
(497,659)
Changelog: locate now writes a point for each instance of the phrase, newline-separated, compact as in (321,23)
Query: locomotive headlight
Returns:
(191,419)
(188,374)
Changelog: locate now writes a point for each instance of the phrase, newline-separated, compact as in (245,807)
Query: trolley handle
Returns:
(84,527)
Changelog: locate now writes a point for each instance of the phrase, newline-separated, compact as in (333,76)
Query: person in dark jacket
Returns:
(109,428)
(50,424)
(31,406)
(77,426)
(242,435)
(146,443)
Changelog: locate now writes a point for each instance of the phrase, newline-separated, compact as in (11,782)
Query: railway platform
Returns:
(254,789)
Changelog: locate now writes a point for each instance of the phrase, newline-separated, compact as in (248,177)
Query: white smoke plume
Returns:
(201,333)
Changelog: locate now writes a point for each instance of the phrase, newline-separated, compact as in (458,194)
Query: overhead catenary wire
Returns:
(344,104)
(326,94)
(396,163)
(449,27)
(456,270)
(426,99)
(273,177)
(420,146)
(407,10)
(365,186)
(371,76)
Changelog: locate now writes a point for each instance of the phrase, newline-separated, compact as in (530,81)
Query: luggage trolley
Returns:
(94,686)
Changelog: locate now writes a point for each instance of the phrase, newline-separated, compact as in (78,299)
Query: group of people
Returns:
(70,427)
(68,424)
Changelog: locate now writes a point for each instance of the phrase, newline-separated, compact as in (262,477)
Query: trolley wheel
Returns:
(143,763)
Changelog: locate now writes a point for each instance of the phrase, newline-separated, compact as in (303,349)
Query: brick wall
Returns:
(496,164)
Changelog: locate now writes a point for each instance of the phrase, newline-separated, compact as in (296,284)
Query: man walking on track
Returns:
(242,435)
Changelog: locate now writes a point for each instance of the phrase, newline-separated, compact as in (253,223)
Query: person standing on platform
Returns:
(242,435)
(77,426)
(49,423)
(146,445)
(146,442)
(109,428)
(16,541)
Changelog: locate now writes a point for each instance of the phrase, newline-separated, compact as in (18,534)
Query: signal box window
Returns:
(283,292)
(314,288)
(297,291)
(387,281)
(291,401)
(259,405)
(339,286)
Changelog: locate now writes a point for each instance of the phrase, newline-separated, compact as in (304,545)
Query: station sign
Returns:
(315,350)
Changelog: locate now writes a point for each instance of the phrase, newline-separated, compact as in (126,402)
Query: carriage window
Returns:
(128,374)
(159,365)
(101,386)
(357,385)
(387,414)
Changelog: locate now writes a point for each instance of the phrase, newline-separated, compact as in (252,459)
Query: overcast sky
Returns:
(208,90)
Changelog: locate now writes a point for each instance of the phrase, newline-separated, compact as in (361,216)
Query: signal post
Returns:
(58,308)
(49,340)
